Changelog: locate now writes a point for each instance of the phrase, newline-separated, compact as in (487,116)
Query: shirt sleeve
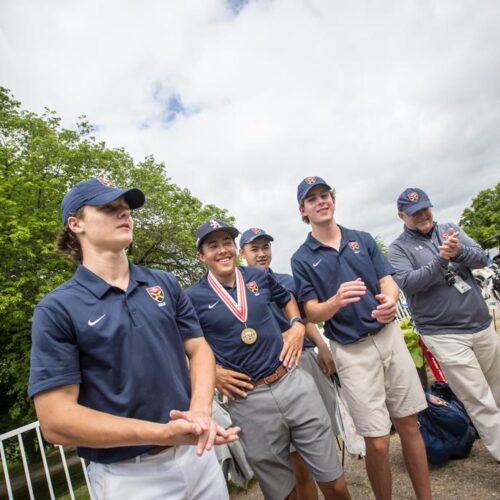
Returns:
(279,294)
(470,254)
(412,280)
(55,359)
(186,318)
(304,289)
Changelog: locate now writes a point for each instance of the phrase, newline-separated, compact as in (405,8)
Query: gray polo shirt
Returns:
(436,307)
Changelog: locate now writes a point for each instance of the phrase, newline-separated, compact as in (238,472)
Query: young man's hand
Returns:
(293,344)
(386,311)
(325,360)
(205,431)
(349,292)
(232,383)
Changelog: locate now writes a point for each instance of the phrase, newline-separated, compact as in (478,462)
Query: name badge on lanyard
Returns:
(461,285)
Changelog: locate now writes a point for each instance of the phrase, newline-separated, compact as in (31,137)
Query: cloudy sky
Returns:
(243,99)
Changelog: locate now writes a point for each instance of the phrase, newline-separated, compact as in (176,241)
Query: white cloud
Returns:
(372,96)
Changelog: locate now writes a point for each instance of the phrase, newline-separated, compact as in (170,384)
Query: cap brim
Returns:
(313,186)
(232,231)
(134,197)
(418,206)
(267,237)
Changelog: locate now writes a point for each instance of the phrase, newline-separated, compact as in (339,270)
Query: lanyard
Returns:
(239,307)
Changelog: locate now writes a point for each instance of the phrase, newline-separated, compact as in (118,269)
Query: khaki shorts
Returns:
(379,380)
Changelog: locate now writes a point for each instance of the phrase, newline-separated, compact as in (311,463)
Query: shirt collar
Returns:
(314,244)
(418,234)
(99,287)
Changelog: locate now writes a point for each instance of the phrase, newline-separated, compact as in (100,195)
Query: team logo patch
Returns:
(253,287)
(310,180)
(437,401)
(156,293)
(354,246)
(412,196)
(214,224)
(256,230)
(105,182)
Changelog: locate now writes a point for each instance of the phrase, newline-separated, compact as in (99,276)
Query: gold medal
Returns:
(248,336)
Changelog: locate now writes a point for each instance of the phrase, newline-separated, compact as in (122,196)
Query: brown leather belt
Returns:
(157,449)
(274,377)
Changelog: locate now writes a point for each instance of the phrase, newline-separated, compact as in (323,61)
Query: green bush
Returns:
(411,340)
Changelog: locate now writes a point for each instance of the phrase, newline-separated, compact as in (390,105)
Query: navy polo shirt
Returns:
(222,329)
(319,270)
(286,281)
(125,349)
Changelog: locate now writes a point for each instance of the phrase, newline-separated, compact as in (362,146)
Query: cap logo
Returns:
(105,182)
(214,224)
(156,293)
(256,230)
(310,180)
(412,196)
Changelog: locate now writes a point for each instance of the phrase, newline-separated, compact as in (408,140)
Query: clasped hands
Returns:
(451,245)
(197,427)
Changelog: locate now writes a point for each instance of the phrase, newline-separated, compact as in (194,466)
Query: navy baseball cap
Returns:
(307,184)
(210,227)
(412,200)
(98,191)
(252,234)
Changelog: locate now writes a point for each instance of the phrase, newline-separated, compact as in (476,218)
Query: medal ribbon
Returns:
(238,308)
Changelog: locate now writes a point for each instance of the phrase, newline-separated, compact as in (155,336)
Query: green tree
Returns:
(381,245)
(482,220)
(39,161)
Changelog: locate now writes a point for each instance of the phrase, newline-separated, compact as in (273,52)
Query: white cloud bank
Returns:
(373,96)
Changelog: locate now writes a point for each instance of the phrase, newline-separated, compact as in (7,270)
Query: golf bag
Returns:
(446,430)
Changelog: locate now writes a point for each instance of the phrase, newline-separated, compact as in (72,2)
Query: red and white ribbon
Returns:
(238,307)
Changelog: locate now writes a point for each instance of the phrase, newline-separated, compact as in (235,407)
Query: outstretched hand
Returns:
(204,431)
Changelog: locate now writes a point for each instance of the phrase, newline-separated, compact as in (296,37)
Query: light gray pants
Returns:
(274,416)
(471,364)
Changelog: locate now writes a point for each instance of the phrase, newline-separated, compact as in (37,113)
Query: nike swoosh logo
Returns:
(211,306)
(315,264)
(92,323)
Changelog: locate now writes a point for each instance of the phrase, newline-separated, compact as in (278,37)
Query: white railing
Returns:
(14,483)
(402,310)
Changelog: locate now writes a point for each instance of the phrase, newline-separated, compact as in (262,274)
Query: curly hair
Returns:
(67,241)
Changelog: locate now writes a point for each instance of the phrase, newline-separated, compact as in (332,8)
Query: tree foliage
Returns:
(482,220)
(381,245)
(39,162)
